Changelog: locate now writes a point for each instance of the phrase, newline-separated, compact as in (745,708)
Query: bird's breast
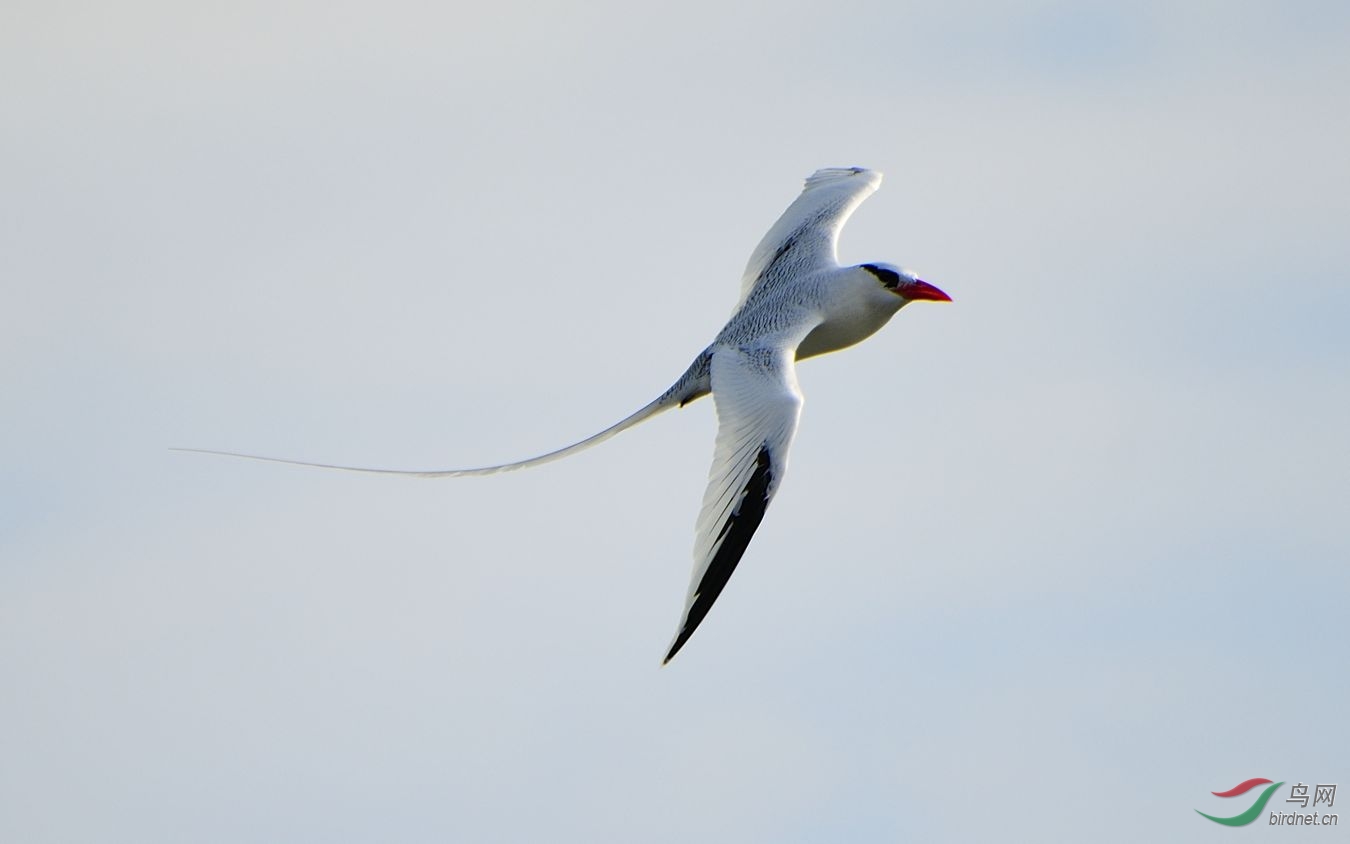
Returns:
(842,329)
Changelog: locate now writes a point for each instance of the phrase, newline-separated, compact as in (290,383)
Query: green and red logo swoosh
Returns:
(1242,788)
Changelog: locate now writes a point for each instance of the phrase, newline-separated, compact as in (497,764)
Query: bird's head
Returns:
(904,283)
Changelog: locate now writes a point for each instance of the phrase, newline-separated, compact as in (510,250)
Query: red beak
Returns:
(922,290)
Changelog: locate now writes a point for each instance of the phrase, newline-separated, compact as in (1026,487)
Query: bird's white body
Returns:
(796,302)
(850,315)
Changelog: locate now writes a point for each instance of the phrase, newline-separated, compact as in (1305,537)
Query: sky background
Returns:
(1053,562)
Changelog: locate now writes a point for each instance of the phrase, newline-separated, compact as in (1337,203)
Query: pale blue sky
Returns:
(1053,562)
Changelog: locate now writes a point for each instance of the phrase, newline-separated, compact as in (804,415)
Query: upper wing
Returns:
(758,402)
(805,236)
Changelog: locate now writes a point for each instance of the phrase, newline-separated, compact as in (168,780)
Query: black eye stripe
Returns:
(890,278)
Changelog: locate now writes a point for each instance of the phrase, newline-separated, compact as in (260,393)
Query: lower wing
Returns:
(758,403)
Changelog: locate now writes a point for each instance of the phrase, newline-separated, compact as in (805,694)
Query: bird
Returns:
(796,302)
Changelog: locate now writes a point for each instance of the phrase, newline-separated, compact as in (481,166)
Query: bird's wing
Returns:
(758,402)
(804,237)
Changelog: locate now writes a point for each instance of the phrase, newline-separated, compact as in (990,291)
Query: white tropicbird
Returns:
(796,302)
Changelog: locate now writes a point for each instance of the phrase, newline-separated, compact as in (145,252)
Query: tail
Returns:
(692,385)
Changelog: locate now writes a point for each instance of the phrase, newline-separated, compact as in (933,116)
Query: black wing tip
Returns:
(685,633)
(735,535)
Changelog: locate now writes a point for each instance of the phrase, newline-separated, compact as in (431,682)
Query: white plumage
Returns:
(796,302)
